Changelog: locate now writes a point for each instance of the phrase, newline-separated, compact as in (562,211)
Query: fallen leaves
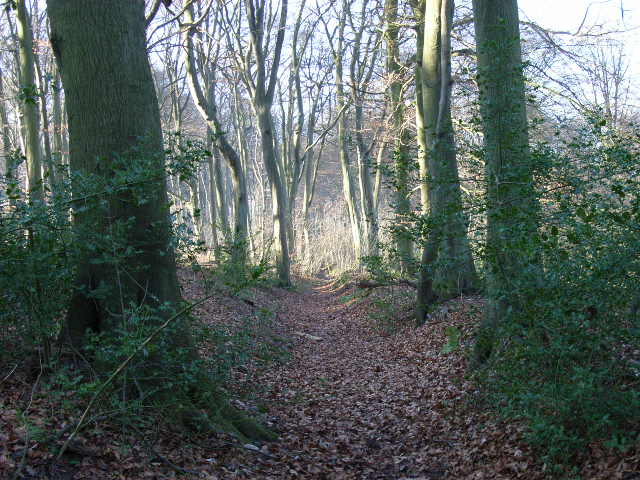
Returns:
(354,402)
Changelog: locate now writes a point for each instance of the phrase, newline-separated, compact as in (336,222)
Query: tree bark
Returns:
(112,109)
(29,102)
(512,205)
(454,272)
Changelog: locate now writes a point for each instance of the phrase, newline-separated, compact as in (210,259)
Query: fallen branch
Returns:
(9,374)
(364,283)
(310,337)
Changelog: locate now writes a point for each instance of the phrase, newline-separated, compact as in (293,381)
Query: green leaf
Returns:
(582,214)
(453,340)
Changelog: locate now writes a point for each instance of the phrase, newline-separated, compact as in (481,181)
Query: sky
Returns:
(613,15)
(567,15)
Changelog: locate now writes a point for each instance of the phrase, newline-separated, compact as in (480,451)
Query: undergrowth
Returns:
(566,362)
(167,382)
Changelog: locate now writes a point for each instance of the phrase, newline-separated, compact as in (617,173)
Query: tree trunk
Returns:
(113,109)
(368,211)
(57,124)
(194,206)
(206,105)
(65,139)
(223,211)
(213,204)
(5,162)
(401,156)
(278,194)
(262,94)
(348,187)
(29,102)
(310,178)
(43,86)
(512,206)
(418,10)
(454,272)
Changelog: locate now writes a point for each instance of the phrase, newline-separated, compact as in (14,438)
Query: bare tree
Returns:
(356,37)
(207,107)
(401,142)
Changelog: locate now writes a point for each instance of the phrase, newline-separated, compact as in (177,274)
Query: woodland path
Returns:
(365,404)
(373,398)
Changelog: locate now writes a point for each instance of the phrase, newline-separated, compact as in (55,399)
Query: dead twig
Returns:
(9,374)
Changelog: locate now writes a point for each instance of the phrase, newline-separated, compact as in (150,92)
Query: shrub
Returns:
(40,247)
(567,362)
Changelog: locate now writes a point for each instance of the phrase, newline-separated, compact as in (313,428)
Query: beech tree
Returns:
(354,42)
(260,75)
(447,266)
(306,119)
(512,206)
(112,109)
(206,103)
(29,101)
(402,138)
(336,40)
(365,48)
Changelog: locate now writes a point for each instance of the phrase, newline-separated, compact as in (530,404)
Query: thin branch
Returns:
(124,364)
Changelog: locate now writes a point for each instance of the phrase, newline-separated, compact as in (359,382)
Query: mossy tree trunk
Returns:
(113,109)
(447,267)
(512,206)
(401,142)
(29,100)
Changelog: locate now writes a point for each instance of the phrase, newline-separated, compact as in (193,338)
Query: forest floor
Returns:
(358,394)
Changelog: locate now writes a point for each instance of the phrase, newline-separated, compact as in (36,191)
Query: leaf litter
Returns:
(363,395)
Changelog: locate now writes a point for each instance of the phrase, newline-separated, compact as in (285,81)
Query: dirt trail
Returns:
(360,404)
(355,401)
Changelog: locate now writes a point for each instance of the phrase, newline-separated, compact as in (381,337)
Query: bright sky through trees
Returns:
(567,15)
